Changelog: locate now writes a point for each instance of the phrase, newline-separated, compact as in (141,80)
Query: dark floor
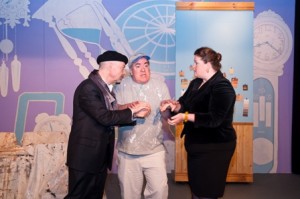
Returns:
(265,186)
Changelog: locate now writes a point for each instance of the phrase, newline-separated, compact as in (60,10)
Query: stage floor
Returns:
(265,186)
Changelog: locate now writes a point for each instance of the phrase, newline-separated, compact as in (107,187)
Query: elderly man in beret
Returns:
(95,113)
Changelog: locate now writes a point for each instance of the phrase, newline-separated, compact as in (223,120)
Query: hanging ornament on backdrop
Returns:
(16,73)
(12,12)
(6,46)
(3,79)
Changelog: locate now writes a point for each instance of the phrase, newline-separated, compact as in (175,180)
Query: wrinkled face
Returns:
(140,71)
(117,71)
(199,67)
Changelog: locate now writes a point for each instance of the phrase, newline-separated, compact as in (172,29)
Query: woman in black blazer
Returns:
(206,108)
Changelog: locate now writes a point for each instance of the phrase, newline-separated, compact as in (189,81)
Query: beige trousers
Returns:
(132,170)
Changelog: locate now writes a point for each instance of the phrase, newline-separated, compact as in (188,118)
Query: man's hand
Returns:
(168,104)
(140,108)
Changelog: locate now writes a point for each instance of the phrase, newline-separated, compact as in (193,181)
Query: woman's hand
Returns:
(176,119)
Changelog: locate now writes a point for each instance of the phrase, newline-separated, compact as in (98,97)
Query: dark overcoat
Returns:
(92,137)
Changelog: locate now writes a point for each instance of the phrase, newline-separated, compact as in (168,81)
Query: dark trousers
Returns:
(83,185)
(207,168)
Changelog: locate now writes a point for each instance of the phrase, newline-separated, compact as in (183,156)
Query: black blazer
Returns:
(213,105)
(92,137)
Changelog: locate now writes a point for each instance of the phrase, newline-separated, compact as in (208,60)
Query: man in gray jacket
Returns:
(141,153)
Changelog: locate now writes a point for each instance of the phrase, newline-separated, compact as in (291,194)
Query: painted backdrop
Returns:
(49,47)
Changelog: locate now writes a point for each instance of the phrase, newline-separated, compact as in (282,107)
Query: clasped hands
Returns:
(168,104)
(140,108)
(172,106)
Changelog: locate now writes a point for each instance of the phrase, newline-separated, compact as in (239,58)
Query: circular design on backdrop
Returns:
(52,123)
(262,151)
(6,46)
(149,27)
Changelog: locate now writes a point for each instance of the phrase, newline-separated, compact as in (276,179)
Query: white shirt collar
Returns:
(110,87)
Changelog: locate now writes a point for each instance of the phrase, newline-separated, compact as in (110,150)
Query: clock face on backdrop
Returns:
(52,123)
(272,40)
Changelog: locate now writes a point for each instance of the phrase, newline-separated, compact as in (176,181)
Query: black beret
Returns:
(112,56)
